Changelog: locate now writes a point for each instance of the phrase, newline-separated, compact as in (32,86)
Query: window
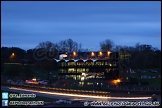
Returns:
(62,70)
(89,83)
(80,69)
(62,64)
(127,78)
(80,63)
(87,70)
(114,64)
(78,77)
(71,70)
(106,63)
(89,63)
(81,83)
(71,63)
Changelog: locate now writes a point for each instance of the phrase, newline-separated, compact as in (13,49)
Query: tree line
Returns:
(143,56)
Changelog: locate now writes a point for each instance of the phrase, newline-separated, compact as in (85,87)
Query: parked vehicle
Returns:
(153,77)
(153,71)
(9,81)
(143,77)
(132,71)
(44,82)
(60,101)
(143,71)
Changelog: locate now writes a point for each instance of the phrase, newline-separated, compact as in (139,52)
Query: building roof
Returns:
(72,60)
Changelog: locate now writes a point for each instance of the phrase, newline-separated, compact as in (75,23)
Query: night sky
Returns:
(26,24)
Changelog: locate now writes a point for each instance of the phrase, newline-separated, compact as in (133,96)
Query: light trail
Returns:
(75,95)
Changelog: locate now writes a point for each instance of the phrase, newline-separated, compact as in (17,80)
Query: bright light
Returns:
(64,55)
(74,53)
(92,54)
(118,80)
(83,74)
(100,53)
(108,53)
(34,79)
(82,78)
(12,55)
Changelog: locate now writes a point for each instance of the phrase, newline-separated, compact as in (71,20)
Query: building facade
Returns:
(92,66)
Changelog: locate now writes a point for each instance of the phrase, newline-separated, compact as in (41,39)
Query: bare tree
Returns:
(47,45)
(106,45)
(117,48)
(69,45)
(80,49)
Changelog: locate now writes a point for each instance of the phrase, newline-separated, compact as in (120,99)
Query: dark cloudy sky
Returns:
(26,24)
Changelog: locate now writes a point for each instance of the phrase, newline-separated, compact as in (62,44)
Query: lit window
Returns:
(82,78)
(127,78)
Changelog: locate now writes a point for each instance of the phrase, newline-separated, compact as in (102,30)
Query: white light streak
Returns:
(76,95)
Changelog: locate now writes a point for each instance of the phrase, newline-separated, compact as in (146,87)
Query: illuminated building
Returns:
(87,66)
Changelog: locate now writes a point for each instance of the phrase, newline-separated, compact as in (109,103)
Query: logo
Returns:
(4,95)
(86,103)
(4,102)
